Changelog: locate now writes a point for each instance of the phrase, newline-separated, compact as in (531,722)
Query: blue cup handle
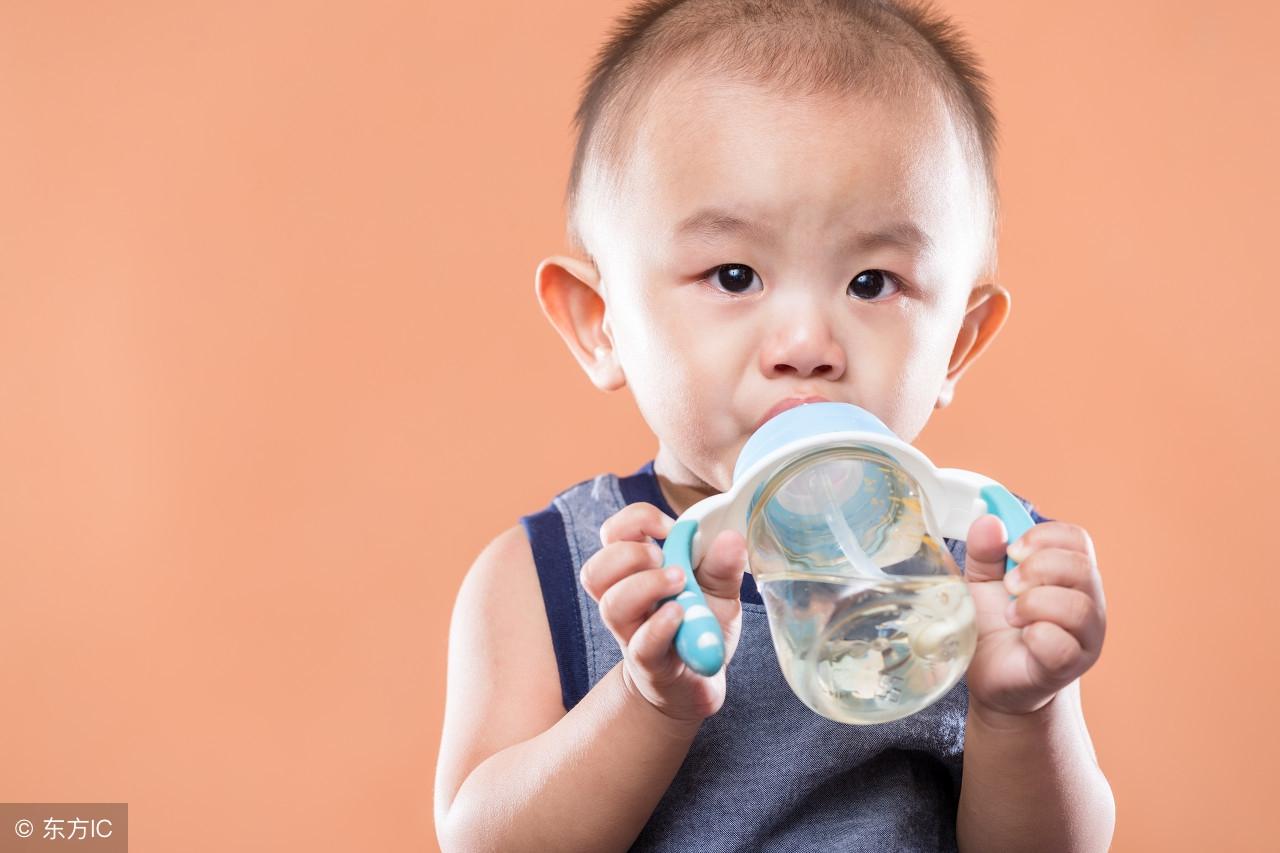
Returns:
(699,640)
(1017,520)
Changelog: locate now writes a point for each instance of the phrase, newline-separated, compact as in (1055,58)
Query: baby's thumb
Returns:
(984,556)
(720,572)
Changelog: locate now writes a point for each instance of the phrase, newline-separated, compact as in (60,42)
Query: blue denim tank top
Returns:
(765,772)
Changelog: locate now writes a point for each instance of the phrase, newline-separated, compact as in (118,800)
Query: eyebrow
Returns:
(709,223)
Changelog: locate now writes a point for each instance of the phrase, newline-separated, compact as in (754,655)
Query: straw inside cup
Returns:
(863,566)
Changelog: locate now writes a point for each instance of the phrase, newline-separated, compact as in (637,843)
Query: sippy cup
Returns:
(870,616)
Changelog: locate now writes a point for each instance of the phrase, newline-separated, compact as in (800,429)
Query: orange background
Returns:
(272,373)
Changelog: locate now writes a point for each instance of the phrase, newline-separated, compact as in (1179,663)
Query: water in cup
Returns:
(870,617)
(869,652)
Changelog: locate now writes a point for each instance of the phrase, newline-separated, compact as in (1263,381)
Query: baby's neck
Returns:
(680,486)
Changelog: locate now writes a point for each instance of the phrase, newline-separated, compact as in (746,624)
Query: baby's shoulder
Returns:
(502,570)
(499,632)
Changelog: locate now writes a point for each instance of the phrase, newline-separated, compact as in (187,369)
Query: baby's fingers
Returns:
(637,522)
(1056,652)
(720,573)
(614,562)
(1069,609)
(628,603)
(1055,567)
(652,650)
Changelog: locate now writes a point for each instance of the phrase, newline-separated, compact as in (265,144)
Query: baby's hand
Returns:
(625,578)
(1031,647)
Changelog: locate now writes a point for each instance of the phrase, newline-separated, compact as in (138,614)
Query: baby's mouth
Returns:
(789,403)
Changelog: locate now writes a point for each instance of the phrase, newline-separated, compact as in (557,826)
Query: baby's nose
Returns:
(803,345)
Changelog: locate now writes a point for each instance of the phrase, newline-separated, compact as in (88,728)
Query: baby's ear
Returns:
(569,292)
(986,312)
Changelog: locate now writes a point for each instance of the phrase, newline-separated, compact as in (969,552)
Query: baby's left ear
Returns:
(569,290)
(986,312)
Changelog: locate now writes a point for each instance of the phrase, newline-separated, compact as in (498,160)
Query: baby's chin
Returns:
(709,472)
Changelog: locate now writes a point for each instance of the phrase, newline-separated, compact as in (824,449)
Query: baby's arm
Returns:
(1032,782)
(1031,776)
(515,771)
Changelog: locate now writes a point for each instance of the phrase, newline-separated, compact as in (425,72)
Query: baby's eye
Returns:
(869,284)
(734,278)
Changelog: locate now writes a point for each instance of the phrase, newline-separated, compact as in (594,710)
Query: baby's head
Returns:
(778,199)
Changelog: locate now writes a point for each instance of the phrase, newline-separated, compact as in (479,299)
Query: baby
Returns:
(771,202)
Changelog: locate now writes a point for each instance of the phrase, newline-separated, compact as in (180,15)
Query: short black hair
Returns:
(878,47)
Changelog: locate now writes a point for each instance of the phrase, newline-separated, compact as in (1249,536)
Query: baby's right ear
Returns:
(569,292)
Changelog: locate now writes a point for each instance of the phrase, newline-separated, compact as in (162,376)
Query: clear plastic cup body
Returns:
(870,616)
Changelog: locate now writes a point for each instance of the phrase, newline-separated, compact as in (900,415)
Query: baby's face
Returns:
(765,248)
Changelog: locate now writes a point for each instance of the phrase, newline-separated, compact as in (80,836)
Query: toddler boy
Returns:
(770,203)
